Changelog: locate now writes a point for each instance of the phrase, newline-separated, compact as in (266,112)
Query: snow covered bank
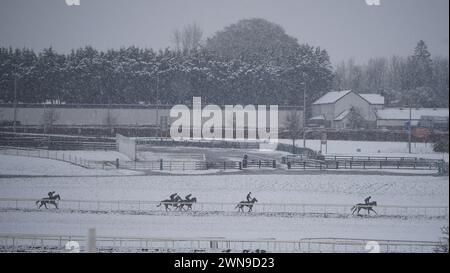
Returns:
(20,165)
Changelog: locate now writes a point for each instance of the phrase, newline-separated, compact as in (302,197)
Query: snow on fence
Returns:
(276,209)
(350,162)
(57,243)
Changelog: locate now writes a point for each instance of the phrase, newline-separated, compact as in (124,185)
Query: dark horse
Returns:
(187,203)
(169,202)
(248,204)
(48,200)
(369,207)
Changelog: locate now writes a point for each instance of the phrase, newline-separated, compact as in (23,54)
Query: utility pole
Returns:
(409,128)
(304,110)
(15,102)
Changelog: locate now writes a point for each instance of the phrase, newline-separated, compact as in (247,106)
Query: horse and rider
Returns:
(51,199)
(367,205)
(249,203)
(177,202)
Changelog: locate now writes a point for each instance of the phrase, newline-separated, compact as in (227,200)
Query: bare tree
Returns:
(49,118)
(443,244)
(355,119)
(188,39)
(293,126)
(110,121)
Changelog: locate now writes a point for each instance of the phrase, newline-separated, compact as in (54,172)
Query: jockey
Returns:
(367,200)
(172,197)
(50,194)
(188,197)
(249,197)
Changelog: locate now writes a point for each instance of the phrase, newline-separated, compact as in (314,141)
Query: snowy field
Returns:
(77,183)
(373,148)
(341,189)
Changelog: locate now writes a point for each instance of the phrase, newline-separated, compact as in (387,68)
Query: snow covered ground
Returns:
(21,165)
(373,148)
(315,189)
(232,227)
(332,189)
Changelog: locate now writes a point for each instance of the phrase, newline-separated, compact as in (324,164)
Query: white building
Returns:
(398,117)
(334,107)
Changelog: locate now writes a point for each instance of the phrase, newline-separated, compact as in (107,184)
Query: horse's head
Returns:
(194,200)
(254,200)
(177,198)
(374,203)
(57,197)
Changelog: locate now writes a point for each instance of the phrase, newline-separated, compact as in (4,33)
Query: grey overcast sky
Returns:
(346,28)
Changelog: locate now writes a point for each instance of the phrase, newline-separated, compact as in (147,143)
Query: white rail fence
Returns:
(57,243)
(225,207)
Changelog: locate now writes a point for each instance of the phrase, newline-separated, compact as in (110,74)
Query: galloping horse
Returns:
(169,202)
(369,207)
(248,204)
(187,203)
(48,200)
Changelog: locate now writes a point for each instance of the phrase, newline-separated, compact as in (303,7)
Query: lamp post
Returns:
(409,128)
(15,102)
(304,110)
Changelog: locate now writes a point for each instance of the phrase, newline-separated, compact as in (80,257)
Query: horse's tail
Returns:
(37,202)
(352,208)
(159,205)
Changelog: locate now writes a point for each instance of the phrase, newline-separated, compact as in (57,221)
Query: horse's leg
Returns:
(45,205)
(373,211)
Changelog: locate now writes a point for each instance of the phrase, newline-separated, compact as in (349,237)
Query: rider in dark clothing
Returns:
(188,197)
(367,200)
(249,197)
(172,197)
(50,194)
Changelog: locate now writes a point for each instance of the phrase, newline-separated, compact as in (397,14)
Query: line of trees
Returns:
(251,62)
(417,80)
(259,73)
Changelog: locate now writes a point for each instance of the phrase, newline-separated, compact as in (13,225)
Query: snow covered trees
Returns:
(418,81)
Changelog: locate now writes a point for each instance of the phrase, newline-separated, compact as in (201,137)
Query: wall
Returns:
(98,116)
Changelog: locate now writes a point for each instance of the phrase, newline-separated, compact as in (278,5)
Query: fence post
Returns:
(91,241)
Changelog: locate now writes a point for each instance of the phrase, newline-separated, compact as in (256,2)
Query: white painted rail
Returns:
(56,243)
(227,207)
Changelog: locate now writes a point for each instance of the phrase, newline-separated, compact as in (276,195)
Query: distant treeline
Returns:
(250,62)
(418,80)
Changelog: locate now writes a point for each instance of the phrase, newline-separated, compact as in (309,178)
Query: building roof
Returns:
(331,97)
(416,113)
(342,115)
(373,98)
(319,117)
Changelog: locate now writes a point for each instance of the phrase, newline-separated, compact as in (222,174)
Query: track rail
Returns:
(56,243)
(266,208)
